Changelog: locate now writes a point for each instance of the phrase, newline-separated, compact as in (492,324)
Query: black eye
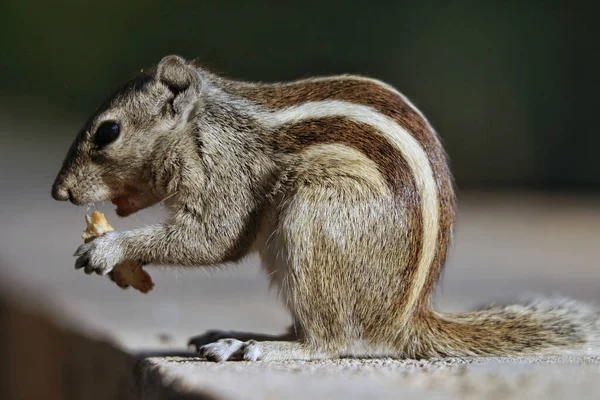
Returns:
(107,133)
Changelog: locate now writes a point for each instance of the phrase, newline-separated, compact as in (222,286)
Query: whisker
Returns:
(169,196)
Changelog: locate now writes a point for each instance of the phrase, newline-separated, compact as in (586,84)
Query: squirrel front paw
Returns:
(100,255)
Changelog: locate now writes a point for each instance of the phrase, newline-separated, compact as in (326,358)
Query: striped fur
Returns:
(416,160)
(340,184)
(385,100)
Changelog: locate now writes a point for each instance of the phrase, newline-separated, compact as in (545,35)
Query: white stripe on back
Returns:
(374,81)
(413,153)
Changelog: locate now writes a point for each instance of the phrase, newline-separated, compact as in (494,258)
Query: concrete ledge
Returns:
(482,378)
(43,359)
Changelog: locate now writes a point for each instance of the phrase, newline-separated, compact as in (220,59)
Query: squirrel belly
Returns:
(340,184)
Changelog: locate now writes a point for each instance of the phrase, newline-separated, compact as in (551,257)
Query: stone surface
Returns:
(492,378)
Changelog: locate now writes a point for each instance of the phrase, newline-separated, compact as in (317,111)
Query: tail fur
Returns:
(544,326)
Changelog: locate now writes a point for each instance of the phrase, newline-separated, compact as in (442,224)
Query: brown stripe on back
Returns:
(388,103)
(296,137)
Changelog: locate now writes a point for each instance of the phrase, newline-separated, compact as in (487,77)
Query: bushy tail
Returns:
(552,326)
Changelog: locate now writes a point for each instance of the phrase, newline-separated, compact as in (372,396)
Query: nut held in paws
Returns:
(127,273)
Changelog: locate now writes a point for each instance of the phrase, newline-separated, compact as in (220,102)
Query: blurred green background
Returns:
(510,85)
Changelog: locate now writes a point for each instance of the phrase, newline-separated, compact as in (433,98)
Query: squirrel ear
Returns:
(176,74)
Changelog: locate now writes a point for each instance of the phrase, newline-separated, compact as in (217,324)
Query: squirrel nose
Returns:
(60,192)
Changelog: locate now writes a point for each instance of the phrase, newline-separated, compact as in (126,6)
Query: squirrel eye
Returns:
(107,133)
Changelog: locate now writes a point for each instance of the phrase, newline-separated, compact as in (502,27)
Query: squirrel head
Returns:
(112,157)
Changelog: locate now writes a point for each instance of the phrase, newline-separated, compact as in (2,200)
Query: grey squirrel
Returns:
(340,185)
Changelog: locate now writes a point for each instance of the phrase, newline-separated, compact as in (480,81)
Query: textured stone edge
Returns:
(154,383)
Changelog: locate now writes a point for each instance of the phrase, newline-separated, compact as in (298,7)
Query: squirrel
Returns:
(340,184)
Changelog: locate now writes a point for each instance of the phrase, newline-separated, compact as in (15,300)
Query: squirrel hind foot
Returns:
(253,350)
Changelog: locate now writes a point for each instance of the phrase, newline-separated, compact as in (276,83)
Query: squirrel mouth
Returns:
(131,201)
(126,205)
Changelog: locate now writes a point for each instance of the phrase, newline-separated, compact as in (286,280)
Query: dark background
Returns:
(510,85)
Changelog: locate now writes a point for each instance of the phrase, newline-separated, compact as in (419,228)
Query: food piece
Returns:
(127,273)
(131,273)
(97,225)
